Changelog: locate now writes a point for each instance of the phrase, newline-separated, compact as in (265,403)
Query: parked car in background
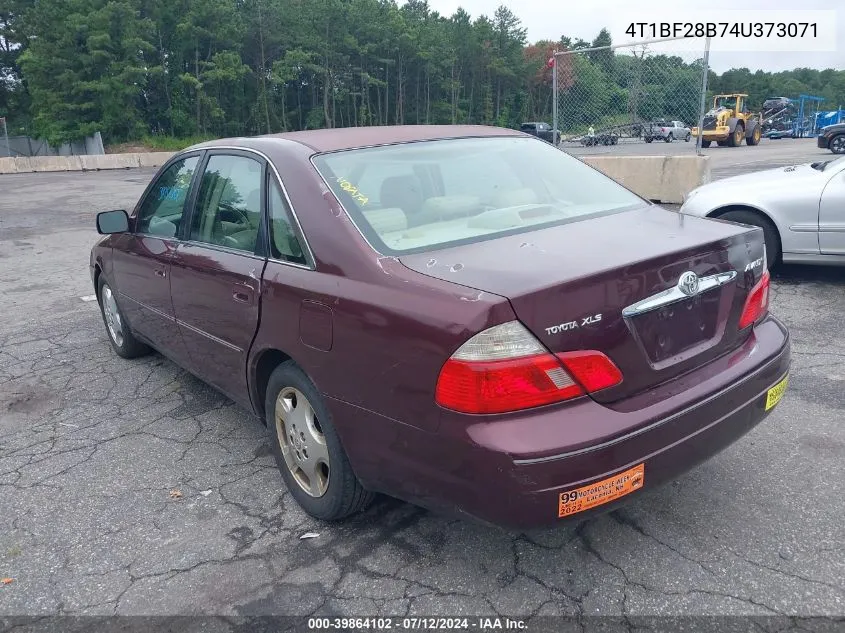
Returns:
(462,317)
(667,131)
(541,130)
(800,208)
(832,137)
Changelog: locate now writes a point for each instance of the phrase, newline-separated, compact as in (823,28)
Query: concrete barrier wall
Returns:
(154,159)
(94,162)
(661,178)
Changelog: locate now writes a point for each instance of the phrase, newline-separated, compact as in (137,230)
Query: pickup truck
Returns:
(667,131)
(541,130)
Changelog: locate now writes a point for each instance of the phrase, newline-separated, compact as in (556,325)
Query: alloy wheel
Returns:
(114,323)
(302,442)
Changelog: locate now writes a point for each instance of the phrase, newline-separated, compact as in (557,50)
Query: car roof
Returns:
(334,139)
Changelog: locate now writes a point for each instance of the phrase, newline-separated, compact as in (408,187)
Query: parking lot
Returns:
(130,487)
(724,161)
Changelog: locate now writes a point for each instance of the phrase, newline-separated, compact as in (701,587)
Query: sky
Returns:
(549,19)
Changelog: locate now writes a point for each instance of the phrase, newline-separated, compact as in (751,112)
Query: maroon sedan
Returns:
(462,317)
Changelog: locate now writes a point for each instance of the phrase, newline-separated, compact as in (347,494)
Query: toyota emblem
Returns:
(688,283)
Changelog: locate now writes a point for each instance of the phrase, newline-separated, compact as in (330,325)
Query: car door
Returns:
(216,271)
(141,257)
(832,215)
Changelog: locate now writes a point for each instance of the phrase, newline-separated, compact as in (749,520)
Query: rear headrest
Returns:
(403,192)
(448,207)
(387,220)
(515,197)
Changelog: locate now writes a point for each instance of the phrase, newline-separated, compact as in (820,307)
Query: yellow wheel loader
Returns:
(729,122)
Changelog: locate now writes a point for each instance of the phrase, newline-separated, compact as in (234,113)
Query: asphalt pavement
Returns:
(129,487)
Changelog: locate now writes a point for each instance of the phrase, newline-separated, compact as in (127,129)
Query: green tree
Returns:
(131,68)
(85,68)
(604,59)
(14,97)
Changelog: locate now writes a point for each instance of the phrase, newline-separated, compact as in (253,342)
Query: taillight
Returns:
(757,302)
(594,370)
(505,369)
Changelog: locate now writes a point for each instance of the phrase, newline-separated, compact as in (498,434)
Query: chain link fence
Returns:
(15,146)
(639,93)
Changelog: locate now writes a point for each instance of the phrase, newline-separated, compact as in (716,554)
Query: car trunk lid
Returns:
(612,284)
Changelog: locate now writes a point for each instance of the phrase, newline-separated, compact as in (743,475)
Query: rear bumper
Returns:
(511,472)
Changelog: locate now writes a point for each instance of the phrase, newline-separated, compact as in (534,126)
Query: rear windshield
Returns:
(416,197)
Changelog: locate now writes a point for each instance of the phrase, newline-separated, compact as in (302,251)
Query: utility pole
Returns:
(6,136)
(554,96)
(703,103)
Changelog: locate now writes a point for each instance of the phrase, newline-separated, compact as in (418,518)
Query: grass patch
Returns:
(157,144)
(171,143)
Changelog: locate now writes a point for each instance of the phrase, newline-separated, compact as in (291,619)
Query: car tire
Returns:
(837,144)
(648,139)
(770,231)
(705,143)
(322,483)
(687,137)
(122,340)
(669,138)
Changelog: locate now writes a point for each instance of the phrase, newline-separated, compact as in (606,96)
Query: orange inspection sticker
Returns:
(601,492)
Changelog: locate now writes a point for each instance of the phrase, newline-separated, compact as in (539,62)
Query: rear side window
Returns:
(284,243)
(161,211)
(415,197)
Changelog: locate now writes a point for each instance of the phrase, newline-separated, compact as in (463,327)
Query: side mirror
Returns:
(109,222)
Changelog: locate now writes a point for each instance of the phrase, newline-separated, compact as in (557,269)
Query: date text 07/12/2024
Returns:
(416,624)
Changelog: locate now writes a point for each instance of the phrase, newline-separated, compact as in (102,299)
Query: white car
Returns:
(801,209)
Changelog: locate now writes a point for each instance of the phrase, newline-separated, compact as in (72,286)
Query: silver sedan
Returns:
(801,209)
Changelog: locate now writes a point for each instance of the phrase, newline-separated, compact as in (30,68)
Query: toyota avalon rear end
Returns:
(614,344)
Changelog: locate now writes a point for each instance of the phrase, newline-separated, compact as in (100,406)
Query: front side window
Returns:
(228,210)
(460,191)
(161,212)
